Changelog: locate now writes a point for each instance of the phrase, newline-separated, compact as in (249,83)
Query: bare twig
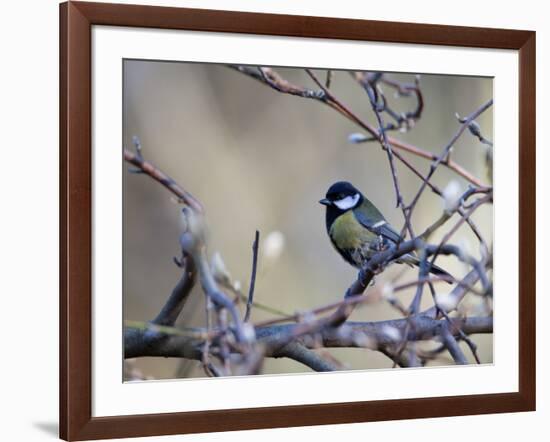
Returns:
(475,130)
(180,294)
(329,79)
(374,96)
(281,85)
(443,157)
(250,300)
(162,178)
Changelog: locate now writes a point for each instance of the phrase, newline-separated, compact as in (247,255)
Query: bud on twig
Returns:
(451,196)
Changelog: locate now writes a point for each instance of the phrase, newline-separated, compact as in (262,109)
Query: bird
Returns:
(358,230)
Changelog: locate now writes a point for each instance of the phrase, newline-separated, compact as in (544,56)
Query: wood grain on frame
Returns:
(76,19)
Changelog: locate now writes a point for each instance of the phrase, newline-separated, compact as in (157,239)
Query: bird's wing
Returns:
(380,227)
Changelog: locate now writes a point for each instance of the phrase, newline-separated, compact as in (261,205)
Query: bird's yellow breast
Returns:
(347,233)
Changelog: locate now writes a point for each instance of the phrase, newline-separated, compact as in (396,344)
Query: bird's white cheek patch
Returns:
(348,202)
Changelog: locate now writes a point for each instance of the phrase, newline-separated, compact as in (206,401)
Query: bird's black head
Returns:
(341,197)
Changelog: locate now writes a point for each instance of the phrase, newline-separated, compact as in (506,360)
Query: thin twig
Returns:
(442,158)
(281,85)
(162,178)
(250,300)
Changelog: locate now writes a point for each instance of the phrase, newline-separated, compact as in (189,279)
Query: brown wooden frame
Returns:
(76,20)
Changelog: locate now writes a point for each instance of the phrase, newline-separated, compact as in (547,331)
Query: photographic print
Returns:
(282,220)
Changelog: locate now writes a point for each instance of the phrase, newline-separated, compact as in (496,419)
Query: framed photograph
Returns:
(272,220)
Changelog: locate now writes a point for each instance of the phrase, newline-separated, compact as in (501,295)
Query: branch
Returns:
(275,81)
(403,120)
(377,108)
(250,300)
(374,335)
(193,243)
(272,79)
(452,345)
(193,246)
(475,130)
(308,357)
(461,289)
(443,157)
(146,167)
(179,296)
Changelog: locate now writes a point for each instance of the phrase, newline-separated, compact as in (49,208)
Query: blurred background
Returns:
(260,160)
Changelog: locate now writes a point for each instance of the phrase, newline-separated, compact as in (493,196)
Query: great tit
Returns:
(358,230)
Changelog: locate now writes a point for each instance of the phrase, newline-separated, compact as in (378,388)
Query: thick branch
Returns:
(151,342)
(306,356)
(146,342)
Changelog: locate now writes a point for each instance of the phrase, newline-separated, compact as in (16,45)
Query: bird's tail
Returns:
(414,261)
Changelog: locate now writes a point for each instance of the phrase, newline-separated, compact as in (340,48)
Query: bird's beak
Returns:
(325,202)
